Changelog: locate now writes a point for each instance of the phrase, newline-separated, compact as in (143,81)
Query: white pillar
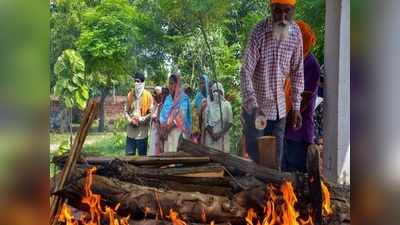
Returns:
(337,92)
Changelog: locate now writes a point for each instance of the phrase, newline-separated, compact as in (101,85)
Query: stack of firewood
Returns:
(195,181)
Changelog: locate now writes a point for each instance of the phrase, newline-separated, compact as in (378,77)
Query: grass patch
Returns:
(96,144)
(106,145)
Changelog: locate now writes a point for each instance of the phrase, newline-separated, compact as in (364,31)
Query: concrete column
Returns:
(337,92)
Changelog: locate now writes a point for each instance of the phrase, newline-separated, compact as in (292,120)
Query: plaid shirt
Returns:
(266,64)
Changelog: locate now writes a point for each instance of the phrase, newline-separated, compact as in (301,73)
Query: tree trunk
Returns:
(64,119)
(103,96)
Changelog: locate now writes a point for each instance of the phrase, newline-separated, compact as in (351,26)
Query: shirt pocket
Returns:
(285,54)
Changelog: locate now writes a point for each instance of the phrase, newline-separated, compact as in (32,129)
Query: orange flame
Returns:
(174,216)
(146,210)
(95,210)
(326,203)
(251,215)
(306,222)
(269,209)
(66,216)
(289,214)
(203,215)
(276,212)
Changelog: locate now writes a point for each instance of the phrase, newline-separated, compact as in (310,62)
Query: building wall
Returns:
(114,108)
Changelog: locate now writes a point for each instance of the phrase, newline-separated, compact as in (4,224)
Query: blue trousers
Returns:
(132,145)
(274,128)
(295,156)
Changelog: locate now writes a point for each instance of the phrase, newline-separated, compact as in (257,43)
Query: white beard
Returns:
(280,32)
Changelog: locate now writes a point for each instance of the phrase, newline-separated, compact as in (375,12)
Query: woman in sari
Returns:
(200,103)
(217,128)
(175,116)
(160,94)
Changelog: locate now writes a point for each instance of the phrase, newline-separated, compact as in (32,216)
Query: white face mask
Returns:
(139,87)
(216,96)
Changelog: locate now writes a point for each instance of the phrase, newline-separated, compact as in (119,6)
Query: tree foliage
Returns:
(64,29)
(71,82)
(106,40)
(117,37)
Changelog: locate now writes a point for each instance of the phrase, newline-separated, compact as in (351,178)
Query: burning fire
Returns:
(276,211)
(326,203)
(286,214)
(174,216)
(96,212)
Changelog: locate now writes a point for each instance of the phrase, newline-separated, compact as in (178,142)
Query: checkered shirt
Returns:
(266,64)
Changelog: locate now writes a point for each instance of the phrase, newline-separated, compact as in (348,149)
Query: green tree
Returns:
(64,29)
(187,16)
(71,85)
(106,41)
(151,44)
(313,13)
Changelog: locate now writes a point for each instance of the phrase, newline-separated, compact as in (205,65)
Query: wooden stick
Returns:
(56,201)
(139,160)
(236,163)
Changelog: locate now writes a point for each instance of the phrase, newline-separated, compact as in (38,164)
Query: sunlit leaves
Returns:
(71,85)
(106,41)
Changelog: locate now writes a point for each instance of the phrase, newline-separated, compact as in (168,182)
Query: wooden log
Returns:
(210,170)
(186,187)
(135,198)
(174,154)
(235,163)
(152,177)
(314,182)
(340,195)
(55,201)
(138,160)
(171,181)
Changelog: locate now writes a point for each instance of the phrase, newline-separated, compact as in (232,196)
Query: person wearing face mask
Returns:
(217,127)
(155,122)
(198,106)
(138,113)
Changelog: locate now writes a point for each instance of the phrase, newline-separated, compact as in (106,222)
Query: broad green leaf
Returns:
(85,92)
(72,88)
(80,101)
(68,102)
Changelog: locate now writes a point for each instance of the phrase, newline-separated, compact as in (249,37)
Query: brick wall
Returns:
(114,107)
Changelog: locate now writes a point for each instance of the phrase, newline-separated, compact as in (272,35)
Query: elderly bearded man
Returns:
(274,52)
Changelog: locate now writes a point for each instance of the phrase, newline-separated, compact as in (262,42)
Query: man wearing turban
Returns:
(297,141)
(274,52)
